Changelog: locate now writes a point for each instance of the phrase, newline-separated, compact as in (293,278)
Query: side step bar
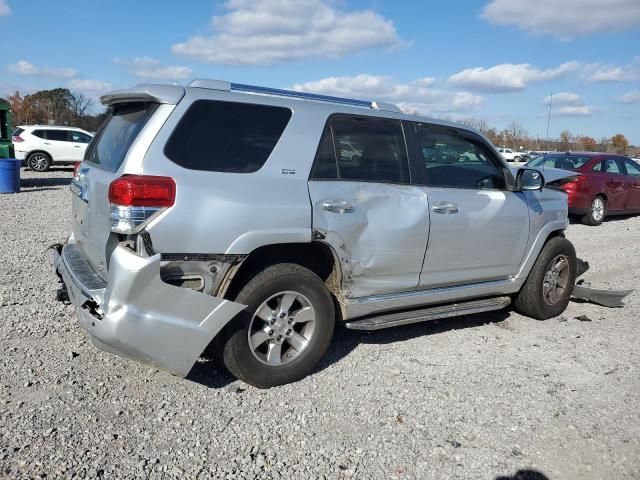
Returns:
(431,313)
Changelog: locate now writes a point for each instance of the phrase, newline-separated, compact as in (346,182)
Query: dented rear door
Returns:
(365,207)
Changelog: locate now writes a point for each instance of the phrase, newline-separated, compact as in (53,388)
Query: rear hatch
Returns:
(103,163)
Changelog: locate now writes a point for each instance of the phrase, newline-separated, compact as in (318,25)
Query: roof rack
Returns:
(239,87)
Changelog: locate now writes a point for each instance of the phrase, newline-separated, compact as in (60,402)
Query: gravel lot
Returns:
(484,397)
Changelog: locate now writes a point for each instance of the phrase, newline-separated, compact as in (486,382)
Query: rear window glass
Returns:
(17,132)
(565,162)
(226,136)
(118,133)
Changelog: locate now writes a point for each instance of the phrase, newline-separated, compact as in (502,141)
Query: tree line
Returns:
(517,137)
(59,106)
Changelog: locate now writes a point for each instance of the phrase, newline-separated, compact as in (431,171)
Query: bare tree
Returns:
(79,103)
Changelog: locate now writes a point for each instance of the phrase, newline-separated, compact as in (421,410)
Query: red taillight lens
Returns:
(17,139)
(76,166)
(142,191)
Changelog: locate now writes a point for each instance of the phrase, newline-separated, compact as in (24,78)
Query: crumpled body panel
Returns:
(143,318)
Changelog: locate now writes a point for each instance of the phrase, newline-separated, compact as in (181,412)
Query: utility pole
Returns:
(549,115)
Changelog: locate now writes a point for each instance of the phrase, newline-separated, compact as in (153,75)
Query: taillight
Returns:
(17,139)
(573,184)
(142,191)
(76,166)
(135,199)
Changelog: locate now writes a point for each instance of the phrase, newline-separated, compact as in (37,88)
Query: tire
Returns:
(597,211)
(39,161)
(538,301)
(516,159)
(265,364)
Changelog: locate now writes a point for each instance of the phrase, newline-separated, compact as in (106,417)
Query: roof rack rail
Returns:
(239,87)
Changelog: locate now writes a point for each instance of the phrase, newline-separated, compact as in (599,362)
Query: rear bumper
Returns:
(136,315)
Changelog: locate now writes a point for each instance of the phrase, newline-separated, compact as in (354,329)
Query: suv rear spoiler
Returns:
(148,92)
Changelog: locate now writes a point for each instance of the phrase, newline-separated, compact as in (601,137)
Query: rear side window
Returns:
(232,137)
(39,133)
(57,135)
(362,149)
(118,133)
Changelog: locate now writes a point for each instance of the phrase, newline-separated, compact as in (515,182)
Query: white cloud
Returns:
(564,98)
(507,77)
(629,97)
(566,18)
(4,8)
(574,111)
(146,68)
(412,97)
(567,104)
(92,87)
(264,32)
(23,67)
(601,72)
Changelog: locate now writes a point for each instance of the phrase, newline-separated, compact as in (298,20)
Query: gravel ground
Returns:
(485,396)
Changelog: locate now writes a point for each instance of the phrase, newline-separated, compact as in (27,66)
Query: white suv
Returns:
(40,146)
(509,155)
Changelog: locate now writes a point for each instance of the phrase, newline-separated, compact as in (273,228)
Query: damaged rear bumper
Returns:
(136,315)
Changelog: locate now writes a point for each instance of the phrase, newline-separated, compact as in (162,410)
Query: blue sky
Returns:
(495,60)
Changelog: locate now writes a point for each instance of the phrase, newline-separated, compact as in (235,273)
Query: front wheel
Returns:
(546,291)
(285,329)
(596,213)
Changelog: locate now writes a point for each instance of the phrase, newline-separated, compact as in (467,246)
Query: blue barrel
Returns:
(9,175)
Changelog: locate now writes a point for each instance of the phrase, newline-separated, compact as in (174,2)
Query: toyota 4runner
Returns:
(247,221)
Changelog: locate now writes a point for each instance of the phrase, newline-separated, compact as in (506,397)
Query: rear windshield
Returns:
(117,134)
(220,136)
(563,161)
(16,132)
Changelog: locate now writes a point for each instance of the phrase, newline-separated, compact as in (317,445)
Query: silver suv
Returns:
(228,219)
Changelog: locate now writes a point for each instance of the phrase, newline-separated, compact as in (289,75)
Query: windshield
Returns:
(563,161)
(117,134)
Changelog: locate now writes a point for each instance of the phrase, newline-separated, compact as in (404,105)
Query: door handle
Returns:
(46,143)
(337,206)
(77,146)
(445,208)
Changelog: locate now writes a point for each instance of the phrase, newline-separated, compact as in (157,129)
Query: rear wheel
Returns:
(39,162)
(596,213)
(546,291)
(285,329)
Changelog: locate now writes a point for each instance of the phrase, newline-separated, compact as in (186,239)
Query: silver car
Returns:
(238,220)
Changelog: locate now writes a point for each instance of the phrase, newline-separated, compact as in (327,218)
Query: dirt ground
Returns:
(485,396)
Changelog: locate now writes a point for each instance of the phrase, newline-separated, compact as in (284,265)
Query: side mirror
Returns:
(529,179)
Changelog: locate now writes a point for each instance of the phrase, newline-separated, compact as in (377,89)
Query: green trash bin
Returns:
(6,147)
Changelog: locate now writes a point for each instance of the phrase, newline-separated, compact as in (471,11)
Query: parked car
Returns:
(225,218)
(608,184)
(41,146)
(510,155)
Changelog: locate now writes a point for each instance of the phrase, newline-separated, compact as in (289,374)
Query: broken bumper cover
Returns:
(136,315)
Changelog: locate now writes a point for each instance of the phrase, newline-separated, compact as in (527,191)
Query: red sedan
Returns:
(609,184)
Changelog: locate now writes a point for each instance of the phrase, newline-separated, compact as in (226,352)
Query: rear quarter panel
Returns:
(235,213)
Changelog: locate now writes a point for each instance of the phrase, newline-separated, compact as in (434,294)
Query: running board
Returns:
(431,313)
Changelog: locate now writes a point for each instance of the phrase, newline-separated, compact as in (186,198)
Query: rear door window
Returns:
(611,166)
(220,136)
(39,134)
(118,133)
(57,135)
(366,149)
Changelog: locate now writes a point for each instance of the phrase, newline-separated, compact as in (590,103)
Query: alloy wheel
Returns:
(281,328)
(556,280)
(597,209)
(38,162)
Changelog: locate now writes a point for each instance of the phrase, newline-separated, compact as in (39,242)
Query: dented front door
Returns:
(378,230)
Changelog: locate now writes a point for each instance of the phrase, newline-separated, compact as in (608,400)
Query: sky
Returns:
(495,60)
